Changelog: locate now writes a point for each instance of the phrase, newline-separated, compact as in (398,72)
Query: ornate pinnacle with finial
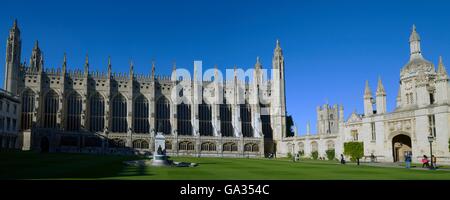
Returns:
(87,60)
(367,91)
(153,68)
(441,67)
(64,62)
(36,44)
(380,87)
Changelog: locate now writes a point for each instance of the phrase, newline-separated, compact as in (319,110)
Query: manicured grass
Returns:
(29,165)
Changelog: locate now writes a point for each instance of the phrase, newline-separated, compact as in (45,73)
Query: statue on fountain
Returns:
(159,155)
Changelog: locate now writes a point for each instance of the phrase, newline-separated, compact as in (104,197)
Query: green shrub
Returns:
(315,155)
(331,154)
(354,149)
(301,153)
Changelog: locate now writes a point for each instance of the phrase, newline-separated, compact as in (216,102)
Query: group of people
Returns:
(425,161)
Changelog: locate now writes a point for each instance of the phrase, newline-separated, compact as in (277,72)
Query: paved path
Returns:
(400,165)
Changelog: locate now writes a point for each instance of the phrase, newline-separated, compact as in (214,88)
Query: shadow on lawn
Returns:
(31,165)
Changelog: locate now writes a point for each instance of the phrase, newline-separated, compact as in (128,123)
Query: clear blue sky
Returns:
(330,47)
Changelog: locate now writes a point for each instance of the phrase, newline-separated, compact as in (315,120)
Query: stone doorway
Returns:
(45,145)
(401,144)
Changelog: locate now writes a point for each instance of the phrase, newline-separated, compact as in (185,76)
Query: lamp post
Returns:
(431,139)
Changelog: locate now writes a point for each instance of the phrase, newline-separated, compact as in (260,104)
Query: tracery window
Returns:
(141,123)
(184,119)
(97,113)
(51,106)
(246,120)
(205,116)
(28,100)
(163,115)
(74,108)
(226,125)
(119,114)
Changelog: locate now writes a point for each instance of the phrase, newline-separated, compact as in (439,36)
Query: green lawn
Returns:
(29,165)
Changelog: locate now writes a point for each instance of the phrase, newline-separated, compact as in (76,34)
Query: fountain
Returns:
(159,156)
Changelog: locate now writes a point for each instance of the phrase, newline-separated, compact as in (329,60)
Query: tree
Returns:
(289,124)
(355,150)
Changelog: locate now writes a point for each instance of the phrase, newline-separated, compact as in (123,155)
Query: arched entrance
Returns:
(401,144)
(45,145)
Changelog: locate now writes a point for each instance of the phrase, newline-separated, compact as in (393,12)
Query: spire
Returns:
(86,64)
(380,88)
(258,63)
(414,44)
(109,65)
(278,49)
(64,67)
(441,67)
(131,69)
(153,69)
(367,91)
(36,45)
(15,25)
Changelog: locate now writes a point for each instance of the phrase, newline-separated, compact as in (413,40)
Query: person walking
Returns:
(408,160)
(342,159)
(425,161)
(433,159)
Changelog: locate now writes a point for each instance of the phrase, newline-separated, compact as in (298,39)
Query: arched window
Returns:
(251,147)
(226,125)
(208,146)
(265,121)
(248,147)
(141,124)
(168,145)
(51,106)
(140,144)
(186,146)
(117,143)
(246,120)
(74,103)
(230,146)
(255,147)
(28,101)
(205,116)
(163,116)
(184,119)
(119,114)
(97,113)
